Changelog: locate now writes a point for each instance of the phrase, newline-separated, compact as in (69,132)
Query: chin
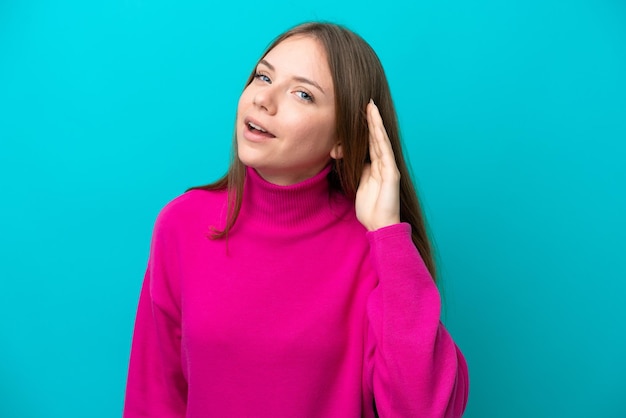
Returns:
(246,156)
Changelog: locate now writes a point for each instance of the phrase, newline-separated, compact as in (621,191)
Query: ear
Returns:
(336,153)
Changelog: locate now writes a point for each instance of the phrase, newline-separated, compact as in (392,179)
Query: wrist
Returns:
(383,224)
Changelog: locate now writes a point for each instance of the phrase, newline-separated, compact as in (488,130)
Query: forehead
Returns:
(301,56)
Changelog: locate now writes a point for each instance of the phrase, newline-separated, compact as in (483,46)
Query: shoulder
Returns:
(194,207)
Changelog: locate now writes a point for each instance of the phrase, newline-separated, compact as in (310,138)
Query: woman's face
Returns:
(286,115)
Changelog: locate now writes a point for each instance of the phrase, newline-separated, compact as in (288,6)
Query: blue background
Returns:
(514,119)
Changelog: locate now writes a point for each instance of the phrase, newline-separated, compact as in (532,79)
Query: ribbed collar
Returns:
(303,204)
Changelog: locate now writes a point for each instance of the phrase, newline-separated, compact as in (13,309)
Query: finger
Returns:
(366,172)
(374,132)
(364,181)
(380,137)
(379,127)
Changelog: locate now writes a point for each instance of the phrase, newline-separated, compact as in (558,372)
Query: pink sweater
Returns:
(303,314)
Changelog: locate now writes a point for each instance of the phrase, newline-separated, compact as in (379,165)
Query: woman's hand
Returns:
(378,195)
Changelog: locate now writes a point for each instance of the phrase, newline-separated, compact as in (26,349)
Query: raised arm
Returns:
(412,365)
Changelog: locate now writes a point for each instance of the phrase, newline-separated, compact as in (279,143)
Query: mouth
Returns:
(257,129)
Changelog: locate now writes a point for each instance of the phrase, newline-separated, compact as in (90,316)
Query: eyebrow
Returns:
(296,78)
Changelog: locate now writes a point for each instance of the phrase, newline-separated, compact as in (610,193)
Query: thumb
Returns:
(367,169)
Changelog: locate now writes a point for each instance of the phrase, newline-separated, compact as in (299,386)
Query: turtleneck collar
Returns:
(298,205)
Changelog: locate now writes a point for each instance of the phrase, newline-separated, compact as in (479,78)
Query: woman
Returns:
(302,283)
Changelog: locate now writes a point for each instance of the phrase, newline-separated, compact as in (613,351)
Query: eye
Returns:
(262,77)
(304,95)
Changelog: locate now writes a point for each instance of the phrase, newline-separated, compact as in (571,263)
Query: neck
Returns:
(308,202)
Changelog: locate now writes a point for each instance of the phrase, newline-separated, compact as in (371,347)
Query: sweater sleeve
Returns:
(412,365)
(156,385)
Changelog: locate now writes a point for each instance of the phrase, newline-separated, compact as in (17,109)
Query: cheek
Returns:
(321,127)
(323,130)
(245,100)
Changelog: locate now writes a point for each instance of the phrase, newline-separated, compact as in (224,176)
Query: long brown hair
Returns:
(357,75)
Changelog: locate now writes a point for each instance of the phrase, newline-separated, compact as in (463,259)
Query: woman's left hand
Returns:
(378,195)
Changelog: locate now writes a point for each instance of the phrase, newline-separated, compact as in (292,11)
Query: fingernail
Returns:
(371,100)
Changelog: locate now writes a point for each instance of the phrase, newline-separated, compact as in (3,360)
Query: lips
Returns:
(256,130)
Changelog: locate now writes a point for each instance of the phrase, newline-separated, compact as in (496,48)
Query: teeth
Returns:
(257,127)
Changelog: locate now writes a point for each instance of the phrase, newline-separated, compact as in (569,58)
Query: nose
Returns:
(265,98)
